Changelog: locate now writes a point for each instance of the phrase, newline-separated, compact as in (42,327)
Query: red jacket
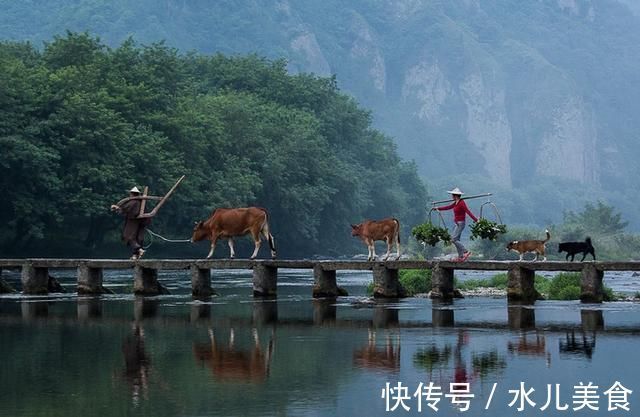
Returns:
(460,210)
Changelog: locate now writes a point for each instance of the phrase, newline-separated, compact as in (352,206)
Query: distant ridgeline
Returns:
(81,123)
(536,101)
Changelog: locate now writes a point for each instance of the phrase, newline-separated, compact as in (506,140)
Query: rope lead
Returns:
(154,234)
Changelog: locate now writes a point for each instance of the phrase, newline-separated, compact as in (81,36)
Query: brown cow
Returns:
(231,222)
(372,230)
(229,363)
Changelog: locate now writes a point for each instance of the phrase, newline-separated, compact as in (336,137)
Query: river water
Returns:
(234,355)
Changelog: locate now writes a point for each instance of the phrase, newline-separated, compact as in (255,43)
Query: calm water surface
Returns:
(232,355)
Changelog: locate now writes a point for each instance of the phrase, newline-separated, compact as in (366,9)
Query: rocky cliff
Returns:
(511,92)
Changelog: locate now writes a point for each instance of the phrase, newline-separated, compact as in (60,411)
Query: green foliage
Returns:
(487,229)
(432,357)
(415,281)
(598,219)
(508,46)
(80,123)
(430,234)
(488,363)
(566,286)
(497,281)
(542,284)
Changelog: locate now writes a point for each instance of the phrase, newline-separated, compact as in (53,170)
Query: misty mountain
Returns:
(536,100)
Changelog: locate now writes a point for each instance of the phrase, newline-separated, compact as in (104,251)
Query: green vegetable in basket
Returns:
(430,234)
(486,229)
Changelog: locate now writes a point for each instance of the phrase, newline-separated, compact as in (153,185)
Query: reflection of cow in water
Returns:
(528,347)
(229,363)
(583,346)
(525,346)
(371,356)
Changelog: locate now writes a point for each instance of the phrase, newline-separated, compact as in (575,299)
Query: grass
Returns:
(413,281)
(497,281)
(564,286)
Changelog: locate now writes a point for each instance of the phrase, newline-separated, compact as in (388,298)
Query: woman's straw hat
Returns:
(455,191)
(134,190)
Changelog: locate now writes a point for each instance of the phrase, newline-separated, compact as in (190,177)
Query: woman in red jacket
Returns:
(460,211)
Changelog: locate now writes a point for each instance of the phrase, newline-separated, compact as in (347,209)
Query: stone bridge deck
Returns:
(35,273)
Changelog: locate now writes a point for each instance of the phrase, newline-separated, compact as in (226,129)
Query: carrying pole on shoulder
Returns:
(462,198)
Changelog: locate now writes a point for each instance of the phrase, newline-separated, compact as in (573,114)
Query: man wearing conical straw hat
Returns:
(460,211)
(134,227)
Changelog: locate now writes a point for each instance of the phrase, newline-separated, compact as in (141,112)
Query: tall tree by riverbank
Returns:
(80,123)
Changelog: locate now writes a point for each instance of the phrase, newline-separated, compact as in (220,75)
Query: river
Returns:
(233,355)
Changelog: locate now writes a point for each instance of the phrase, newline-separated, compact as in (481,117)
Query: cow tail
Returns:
(548,236)
(267,232)
(397,229)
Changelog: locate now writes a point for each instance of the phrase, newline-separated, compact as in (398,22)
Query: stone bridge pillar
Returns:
(265,281)
(591,288)
(385,283)
(201,282)
(442,283)
(90,280)
(145,282)
(520,285)
(35,280)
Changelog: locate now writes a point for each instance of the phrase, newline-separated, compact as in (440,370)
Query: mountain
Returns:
(536,100)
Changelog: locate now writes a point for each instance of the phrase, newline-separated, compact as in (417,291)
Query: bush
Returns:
(542,284)
(430,234)
(571,292)
(566,286)
(415,281)
(487,229)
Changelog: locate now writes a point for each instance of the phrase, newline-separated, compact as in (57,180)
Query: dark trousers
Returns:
(138,241)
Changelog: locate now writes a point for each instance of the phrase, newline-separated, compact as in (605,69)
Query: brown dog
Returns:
(524,246)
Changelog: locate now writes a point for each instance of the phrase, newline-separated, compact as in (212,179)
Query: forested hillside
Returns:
(81,123)
(534,100)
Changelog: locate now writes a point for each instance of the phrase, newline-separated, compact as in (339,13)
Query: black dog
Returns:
(572,248)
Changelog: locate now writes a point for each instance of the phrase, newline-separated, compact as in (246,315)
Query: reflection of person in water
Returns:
(460,373)
(137,364)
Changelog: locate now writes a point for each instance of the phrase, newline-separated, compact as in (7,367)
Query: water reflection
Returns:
(324,311)
(137,364)
(89,308)
(581,346)
(459,361)
(264,311)
(383,315)
(460,374)
(145,308)
(34,309)
(521,316)
(372,356)
(488,364)
(529,346)
(231,363)
(200,311)
(442,313)
(592,320)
